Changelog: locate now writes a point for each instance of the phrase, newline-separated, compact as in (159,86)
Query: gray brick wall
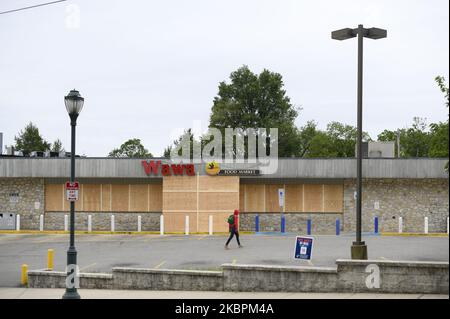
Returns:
(411,199)
(30,202)
(295,222)
(101,221)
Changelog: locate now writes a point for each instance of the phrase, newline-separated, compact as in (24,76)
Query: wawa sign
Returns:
(156,168)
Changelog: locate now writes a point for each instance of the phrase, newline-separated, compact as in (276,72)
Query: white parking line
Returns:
(88,266)
(159,265)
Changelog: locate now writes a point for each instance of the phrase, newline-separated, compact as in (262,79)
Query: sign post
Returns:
(281,204)
(303,248)
(72,191)
(281,198)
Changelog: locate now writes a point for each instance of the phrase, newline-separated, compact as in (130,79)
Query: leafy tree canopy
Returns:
(57,146)
(256,101)
(130,148)
(30,140)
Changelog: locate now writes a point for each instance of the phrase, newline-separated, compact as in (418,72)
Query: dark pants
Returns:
(233,232)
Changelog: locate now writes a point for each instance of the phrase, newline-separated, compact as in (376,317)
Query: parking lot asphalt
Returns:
(100,253)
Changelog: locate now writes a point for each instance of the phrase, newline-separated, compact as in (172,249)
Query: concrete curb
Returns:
(415,234)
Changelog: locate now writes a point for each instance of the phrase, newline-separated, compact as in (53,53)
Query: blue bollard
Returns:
(309,226)
(257,223)
(376,224)
(338,226)
(283,224)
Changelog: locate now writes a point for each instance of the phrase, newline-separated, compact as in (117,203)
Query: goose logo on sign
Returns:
(212,168)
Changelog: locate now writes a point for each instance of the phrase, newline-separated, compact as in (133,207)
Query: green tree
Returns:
(438,140)
(257,101)
(187,134)
(415,141)
(306,135)
(321,145)
(391,136)
(439,131)
(444,88)
(57,146)
(131,148)
(343,138)
(338,140)
(30,140)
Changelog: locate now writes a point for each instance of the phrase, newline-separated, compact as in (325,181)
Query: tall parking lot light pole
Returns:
(74,104)
(359,248)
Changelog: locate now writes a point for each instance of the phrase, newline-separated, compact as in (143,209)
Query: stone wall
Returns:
(167,279)
(124,221)
(389,199)
(29,203)
(295,222)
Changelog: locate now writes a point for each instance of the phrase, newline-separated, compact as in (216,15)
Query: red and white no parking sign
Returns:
(72,191)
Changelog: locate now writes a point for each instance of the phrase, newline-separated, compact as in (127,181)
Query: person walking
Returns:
(233,228)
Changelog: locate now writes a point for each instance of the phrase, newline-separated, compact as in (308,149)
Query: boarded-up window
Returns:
(139,198)
(120,197)
(294,198)
(91,197)
(54,196)
(313,197)
(333,198)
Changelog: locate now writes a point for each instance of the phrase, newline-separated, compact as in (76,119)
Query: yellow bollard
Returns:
(24,279)
(50,259)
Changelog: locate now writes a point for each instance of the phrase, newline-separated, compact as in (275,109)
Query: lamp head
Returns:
(74,102)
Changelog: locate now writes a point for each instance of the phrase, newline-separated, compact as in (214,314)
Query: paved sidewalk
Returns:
(34,293)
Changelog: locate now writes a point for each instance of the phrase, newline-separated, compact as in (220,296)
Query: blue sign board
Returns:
(303,247)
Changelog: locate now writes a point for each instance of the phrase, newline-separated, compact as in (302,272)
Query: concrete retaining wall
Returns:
(395,276)
(278,278)
(57,279)
(167,279)
(349,276)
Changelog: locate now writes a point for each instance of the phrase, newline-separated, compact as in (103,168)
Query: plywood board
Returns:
(155,197)
(120,197)
(220,223)
(66,204)
(254,197)
(272,202)
(242,197)
(54,197)
(333,198)
(139,198)
(219,183)
(218,201)
(175,222)
(180,201)
(313,196)
(106,197)
(179,183)
(91,197)
(294,198)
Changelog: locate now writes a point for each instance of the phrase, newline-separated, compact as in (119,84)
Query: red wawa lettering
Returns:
(152,167)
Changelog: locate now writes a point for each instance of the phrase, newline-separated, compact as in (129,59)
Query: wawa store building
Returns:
(320,190)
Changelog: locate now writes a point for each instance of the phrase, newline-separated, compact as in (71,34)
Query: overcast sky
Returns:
(147,68)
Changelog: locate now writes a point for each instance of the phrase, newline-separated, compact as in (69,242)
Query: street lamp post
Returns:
(74,103)
(359,248)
